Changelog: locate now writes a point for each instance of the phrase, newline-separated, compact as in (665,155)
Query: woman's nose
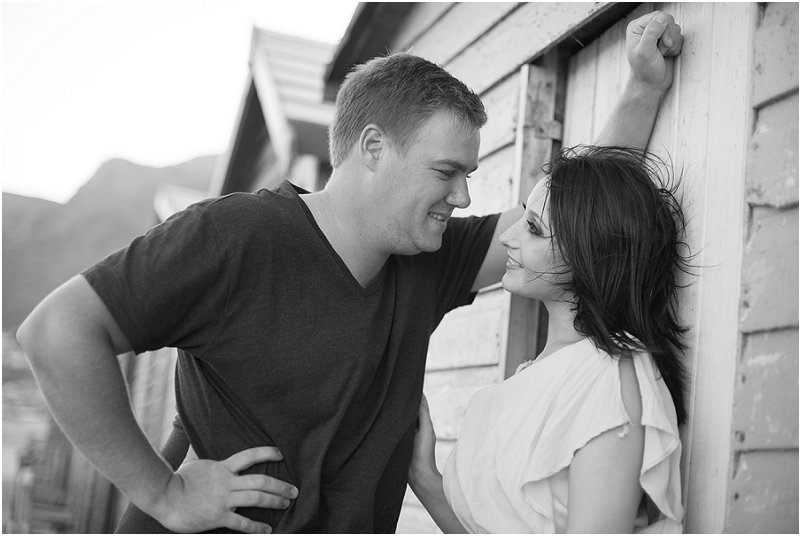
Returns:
(507,237)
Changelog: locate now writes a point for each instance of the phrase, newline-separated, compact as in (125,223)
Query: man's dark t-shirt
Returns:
(280,345)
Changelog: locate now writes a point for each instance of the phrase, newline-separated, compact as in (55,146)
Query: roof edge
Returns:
(372,28)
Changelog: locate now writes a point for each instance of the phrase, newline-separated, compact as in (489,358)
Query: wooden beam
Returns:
(538,134)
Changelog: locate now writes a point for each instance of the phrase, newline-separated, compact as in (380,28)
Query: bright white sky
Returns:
(154,82)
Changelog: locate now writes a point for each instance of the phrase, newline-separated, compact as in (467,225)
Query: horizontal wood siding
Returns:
(470,336)
(517,39)
(457,28)
(501,104)
(419,22)
(763,488)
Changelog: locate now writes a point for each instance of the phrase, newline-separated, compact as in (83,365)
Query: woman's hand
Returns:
(651,43)
(423,468)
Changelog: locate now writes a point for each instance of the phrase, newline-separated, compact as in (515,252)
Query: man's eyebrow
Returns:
(454,164)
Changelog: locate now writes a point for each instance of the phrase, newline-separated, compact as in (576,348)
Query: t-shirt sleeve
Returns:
(464,247)
(169,286)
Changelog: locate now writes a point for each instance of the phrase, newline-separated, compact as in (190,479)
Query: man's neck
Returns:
(340,221)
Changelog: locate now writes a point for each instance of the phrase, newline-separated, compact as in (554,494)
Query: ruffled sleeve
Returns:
(591,407)
(508,472)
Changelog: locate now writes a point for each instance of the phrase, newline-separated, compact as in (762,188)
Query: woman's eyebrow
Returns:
(535,216)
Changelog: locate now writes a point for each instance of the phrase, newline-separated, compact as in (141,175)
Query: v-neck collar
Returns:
(375,284)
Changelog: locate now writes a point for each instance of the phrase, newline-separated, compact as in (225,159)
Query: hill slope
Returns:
(45,243)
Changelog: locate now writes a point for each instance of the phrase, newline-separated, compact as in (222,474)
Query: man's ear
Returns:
(372,144)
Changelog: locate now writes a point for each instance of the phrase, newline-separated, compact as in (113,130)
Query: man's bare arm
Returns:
(72,341)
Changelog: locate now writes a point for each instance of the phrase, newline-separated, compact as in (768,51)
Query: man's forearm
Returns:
(633,118)
(83,386)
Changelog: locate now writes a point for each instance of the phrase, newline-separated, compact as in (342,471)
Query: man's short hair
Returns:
(398,93)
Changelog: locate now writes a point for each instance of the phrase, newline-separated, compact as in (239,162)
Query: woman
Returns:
(585,437)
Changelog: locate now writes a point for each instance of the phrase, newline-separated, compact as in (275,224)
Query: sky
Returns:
(157,82)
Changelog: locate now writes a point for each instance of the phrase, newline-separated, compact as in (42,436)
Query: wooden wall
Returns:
(763,482)
(702,129)
(742,226)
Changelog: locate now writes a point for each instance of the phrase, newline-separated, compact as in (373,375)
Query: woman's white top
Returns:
(508,473)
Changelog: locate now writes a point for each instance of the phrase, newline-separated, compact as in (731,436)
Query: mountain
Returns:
(46,243)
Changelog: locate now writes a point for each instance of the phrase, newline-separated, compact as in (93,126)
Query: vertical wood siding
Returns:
(702,129)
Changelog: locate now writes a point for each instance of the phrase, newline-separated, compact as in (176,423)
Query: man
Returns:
(302,319)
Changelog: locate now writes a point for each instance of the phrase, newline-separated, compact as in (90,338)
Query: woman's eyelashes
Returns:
(533,228)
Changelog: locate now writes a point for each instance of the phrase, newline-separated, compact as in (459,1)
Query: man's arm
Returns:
(72,341)
(651,42)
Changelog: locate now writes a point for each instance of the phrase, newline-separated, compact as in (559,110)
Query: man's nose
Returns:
(459,195)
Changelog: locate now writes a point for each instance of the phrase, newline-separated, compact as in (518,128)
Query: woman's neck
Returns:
(561,328)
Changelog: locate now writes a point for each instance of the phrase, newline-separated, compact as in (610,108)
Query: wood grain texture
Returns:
(766,393)
(772,176)
(764,494)
(470,336)
(776,53)
(770,271)
(518,39)
(418,22)
(458,27)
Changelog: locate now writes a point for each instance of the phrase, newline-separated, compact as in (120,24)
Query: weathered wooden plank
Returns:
(458,27)
(580,99)
(710,87)
(517,39)
(776,52)
(501,104)
(448,393)
(770,271)
(470,336)
(491,184)
(766,394)
(417,22)
(773,155)
(538,133)
(610,62)
(596,78)
(764,493)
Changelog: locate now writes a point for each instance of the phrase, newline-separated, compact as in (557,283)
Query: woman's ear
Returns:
(372,144)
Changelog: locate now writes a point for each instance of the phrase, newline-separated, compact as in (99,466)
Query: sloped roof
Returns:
(297,66)
(283,103)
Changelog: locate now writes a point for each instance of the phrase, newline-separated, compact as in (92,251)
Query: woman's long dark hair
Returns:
(619,227)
